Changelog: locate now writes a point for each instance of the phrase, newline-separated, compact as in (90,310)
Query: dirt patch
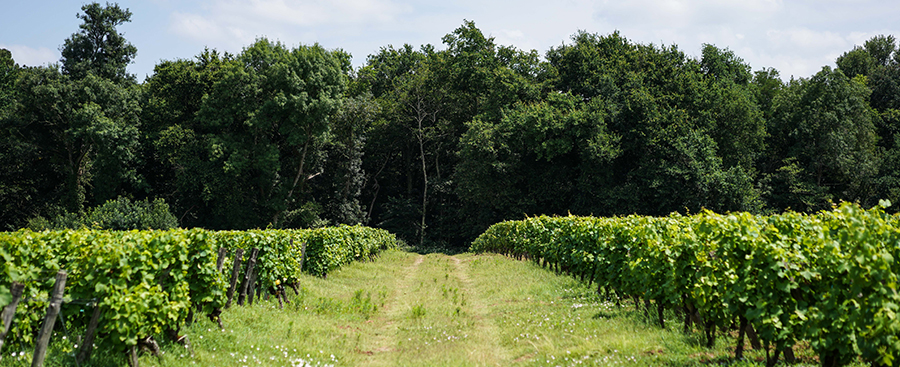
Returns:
(524,358)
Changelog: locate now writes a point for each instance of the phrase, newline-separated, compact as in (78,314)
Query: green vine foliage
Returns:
(830,278)
(149,282)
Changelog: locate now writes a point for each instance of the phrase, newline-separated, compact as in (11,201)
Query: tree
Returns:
(84,130)
(98,48)
(427,97)
(727,105)
(686,126)
(246,152)
(856,62)
(74,133)
(415,105)
(766,85)
(546,157)
(300,92)
(827,131)
(17,178)
(881,48)
(8,73)
(173,135)
(342,185)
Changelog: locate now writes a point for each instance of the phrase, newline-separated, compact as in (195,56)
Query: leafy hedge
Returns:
(147,282)
(830,278)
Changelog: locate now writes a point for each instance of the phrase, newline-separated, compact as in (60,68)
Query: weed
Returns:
(418,311)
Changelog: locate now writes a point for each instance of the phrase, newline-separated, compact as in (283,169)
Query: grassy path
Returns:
(432,317)
(408,309)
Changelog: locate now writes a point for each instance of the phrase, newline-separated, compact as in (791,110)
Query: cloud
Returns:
(509,37)
(29,56)
(797,37)
(681,14)
(235,23)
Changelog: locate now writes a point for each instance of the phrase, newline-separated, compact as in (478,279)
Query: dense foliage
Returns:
(120,214)
(148,283)
(437,143)
(829,278)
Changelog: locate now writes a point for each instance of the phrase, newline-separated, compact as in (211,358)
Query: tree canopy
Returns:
(438,143)
(98,47)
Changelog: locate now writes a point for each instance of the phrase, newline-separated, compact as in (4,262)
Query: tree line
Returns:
(434,144)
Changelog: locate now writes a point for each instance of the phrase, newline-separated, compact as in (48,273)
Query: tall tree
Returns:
(86,130)
(882,48)
(98,47)
(8,73)
(248,151)
(727,105)
(856,62)
(878,60)
(670,113)
(17,178)
(427,99)
(546,157)
(341,188)
(172,132)
(766,84)
(78,128)
(415,107)
(827,131)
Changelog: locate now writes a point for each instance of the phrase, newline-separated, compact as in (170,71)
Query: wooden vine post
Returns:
(6,316)
(247,275)
(251,289)
(43,340)
(87,345)
(303,256)
(220,260)
(235,270)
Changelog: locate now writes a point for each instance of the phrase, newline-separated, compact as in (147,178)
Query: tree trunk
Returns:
(789,355)
(754,339)
(297,181)
(710,334)
(659,314)
(739,349)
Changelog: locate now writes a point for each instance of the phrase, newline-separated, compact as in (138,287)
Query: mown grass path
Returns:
(432,316)
(408,309)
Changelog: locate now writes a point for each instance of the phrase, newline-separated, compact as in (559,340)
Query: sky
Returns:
(796,37)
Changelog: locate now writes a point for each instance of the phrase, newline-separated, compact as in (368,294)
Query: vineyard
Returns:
(825,282)
(829,279)
(126,289)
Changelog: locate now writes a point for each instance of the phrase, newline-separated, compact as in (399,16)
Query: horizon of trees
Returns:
(435,146)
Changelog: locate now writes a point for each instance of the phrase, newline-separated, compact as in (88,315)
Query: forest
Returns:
(437,143)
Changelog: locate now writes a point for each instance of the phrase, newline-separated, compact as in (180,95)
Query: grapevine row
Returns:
(830,278)
(151,283)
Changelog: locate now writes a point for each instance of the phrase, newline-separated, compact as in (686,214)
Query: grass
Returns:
(408,309)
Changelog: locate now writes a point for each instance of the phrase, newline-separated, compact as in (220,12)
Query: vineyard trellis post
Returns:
(9,311)
(235,269)
(87,344)
(56,297)
(248,274)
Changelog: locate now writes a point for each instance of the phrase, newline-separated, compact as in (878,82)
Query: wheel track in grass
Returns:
(488,351)
(471,329)
(381,330)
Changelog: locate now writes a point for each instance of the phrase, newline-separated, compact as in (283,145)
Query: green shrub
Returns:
(120,214)
(123,214)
